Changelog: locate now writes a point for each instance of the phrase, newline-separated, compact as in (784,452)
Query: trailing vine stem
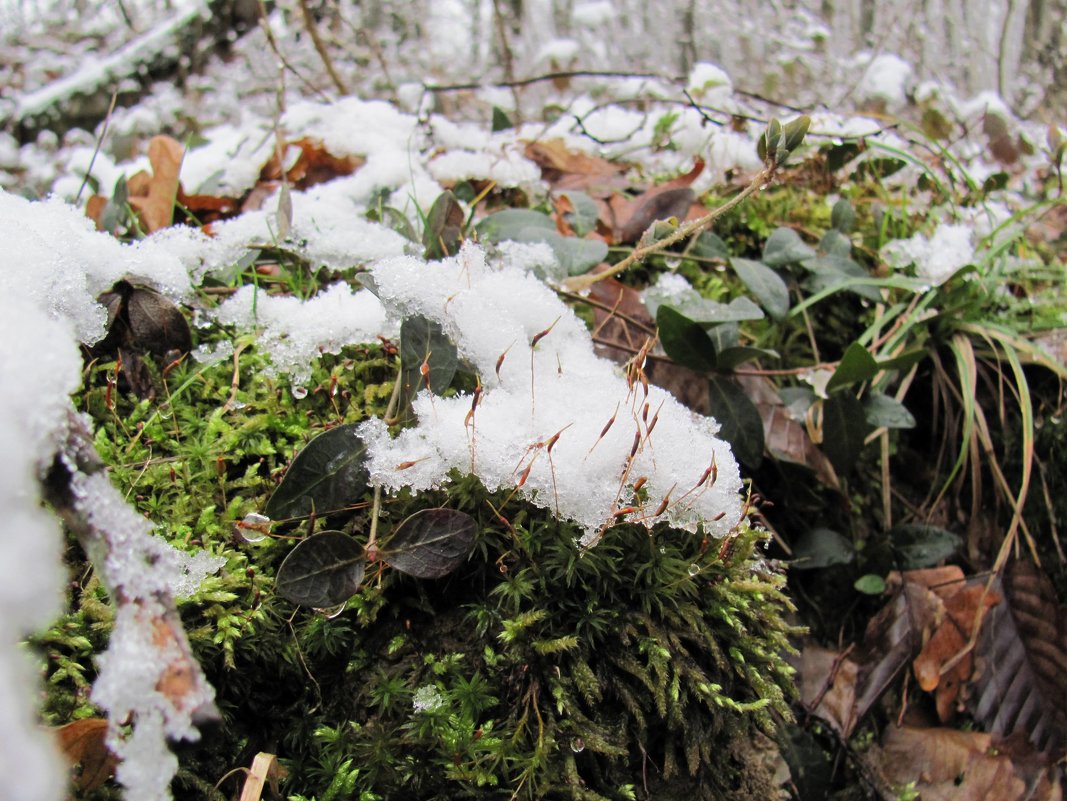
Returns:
(579,283)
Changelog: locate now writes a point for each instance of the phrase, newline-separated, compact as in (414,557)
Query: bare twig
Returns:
(320,47)
(582,282)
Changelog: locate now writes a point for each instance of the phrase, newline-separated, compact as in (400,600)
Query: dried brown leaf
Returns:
(266,770)
(828,687)
(784,438)
(948,765)
(1022,685)
(153,196)
(556,159)
(635,216)
(82,743)
(944,664)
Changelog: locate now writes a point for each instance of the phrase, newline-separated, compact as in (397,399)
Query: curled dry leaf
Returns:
(828,687)
(311,164)
(82,743)
(266,770)
(946,662)
(948,765)
(153,195)
(784,438)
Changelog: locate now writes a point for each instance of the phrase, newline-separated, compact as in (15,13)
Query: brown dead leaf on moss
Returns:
(82,743)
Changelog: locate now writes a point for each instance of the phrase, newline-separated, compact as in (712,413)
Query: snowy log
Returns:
(174,45)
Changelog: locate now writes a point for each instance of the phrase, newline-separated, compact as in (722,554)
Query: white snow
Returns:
(295,332)
(533,393)
(936,258)
(886,78)
(40,358)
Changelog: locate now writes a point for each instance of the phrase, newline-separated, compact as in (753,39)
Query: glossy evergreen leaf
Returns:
(584,217)
(575,255)
(917,545)
(844,427)
(511,223)
(830,271)
(883,411)
(856,365)
(784,246)
(843,216)
(870,584)
(328,475)
(444,227)
(423,341)
(741,423)
(765,284)
(731,358)
(821,547)
(685,341)
(835,243)
(793,134)
(501,121)
(431,543)
(709,246)
(322,571)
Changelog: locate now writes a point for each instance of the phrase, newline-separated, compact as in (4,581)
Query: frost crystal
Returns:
(427,699)
(558,386)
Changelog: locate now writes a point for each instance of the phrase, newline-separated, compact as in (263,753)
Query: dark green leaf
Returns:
(870,584)
(784,246)
(431,543)
(837,156)
(883,411)
(831,271)
(843,216)
(322,571)
(741,423)
(767,286)
(904,361)
(576,256)
(583,218)
(793,134)
(692,304)
(917,545)
(821,547)
(501,121)
(422,341)
(444,227)
(844,427)
(326,476)
(835,243)
(396,220)
(856,365)
(685,341)
(709,246)
(724,336)
(508,223)
(730,358)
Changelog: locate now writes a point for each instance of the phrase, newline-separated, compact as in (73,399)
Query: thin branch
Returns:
(320,47)
(582,282)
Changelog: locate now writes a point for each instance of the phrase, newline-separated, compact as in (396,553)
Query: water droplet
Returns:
(254,527)
(331,612)
(694,569)
(239,404)
(300,392)
(662,549)
(164,411)
(672,263)
(577,745)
